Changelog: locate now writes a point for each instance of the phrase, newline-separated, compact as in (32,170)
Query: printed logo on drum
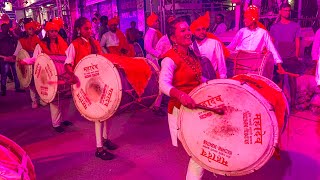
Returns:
(44,90)
(83,98)
(48,71)
(37,70)
(252,128)
(106,95)
(91,71)
(215,153)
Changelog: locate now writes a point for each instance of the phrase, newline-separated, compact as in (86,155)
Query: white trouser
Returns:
(55,114)
(56,110)
(101,133)
(33,93)
(195,171)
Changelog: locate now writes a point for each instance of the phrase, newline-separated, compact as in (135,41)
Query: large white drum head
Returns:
(236,143)
(99,93)
(45,78)
(24,72)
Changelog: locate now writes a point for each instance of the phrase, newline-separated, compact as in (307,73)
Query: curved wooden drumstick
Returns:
(219,111)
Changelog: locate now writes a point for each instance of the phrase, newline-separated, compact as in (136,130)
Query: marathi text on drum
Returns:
(49,71)
(252,129)
(106,95)
(91,71)
(214,157)
(84,100)
(37,70)
(44,90)
(211,101)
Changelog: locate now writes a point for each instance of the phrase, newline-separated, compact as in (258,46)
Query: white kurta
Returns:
(109,39)
(221,28)
(254,40)
(18,48)
(163,45)
(212,49)
(316,46)
(150,42)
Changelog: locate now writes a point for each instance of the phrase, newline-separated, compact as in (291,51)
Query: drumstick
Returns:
(219,111)
(56,82)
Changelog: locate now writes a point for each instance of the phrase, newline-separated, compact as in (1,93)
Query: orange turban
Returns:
(58,21)
(202,21)
(252,13)
(152,19)
(29,25)
(51,26)
(114,20)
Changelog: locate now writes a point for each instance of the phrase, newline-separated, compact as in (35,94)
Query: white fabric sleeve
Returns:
(148,40)
(166,75)
(272,49)
(219,57)
(18,48)
(235,41)
(315,46)
(71,54)
(103,40)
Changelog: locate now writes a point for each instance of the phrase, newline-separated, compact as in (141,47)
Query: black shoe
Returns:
(20,90)
(104,155)
(67,123)
(110,145)
(59,129)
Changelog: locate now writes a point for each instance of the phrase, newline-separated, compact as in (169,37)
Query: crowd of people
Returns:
(180,54)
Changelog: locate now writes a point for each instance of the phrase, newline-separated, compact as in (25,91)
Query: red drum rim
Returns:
(24,82)
(269,150)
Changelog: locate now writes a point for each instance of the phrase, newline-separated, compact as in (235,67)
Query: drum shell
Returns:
(14,162)
(24,72)
(48,73)
(98,98)
(227,152)
(243,62)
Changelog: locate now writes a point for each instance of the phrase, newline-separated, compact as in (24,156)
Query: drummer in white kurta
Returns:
(208,47)
(254,38)
(58,48)
(151,39)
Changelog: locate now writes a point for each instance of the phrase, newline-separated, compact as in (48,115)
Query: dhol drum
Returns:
(104,89)
(50,78)
(243,62)
(24,72)
(15,164)
(238,142)
(138,50)
(207,69)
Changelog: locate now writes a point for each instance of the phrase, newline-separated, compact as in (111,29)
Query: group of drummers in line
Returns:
(181,69)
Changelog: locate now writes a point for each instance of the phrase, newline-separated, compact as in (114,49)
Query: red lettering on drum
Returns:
(37,70)
(83,98)
(49,71)
(213,157)
(211,101)
(44,90)
(252,128)
(91,71)
(106,95)
(258,129)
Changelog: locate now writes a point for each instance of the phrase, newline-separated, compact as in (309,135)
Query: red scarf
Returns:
(29,43)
